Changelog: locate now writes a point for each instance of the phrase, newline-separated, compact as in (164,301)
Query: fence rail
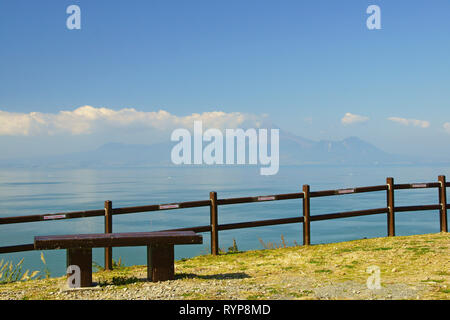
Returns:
(213,203)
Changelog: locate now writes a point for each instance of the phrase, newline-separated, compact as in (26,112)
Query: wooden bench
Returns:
(160,249)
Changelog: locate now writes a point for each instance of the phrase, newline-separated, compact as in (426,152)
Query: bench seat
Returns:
(102,240)
(160,249)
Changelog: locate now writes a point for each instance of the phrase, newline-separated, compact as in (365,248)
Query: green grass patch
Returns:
(345,250)
(288,268)
(420,250)
(188,294)
(352,249)
(323,271)
(314,261)
(382,249)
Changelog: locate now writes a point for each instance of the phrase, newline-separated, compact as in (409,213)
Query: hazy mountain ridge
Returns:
(294,150)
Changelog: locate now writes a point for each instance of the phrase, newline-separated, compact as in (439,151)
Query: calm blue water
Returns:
(25,192)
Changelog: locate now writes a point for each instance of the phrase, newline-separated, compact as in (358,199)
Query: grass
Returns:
(323,271)
(10,272)
(417,264)
(381,249)
(115,264)
(274,245)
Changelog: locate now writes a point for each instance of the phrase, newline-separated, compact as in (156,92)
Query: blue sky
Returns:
(303,63)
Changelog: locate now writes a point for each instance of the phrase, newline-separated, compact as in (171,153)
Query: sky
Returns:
(136,69)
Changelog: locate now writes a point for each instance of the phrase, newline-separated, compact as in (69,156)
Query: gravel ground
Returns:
(229,288)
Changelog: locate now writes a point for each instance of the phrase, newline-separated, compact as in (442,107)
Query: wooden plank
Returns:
(418,208)
(17,248)
(259,223)
(198,229)
(419,185)
(116,239)
(326,193)
(347,214)
(158,207)
(371,189)
(287,196)
(51,217)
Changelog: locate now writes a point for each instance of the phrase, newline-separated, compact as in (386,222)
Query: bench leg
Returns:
(83,259)
(160,260)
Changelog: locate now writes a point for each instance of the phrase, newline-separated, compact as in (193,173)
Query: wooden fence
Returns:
(213,203)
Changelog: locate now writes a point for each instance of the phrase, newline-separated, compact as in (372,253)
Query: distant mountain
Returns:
(294,150)
(352,150)
(107,155)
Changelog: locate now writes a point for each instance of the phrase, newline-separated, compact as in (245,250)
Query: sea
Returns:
(43,191)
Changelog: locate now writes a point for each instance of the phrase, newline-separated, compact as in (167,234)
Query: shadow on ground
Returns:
(118,281)
(220,276)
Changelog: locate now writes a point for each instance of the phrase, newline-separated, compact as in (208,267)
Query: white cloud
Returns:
(446,127)
(413,122)
(350,118)
(88,120)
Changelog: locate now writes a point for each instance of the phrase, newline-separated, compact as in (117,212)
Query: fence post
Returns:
(108,229)
(443,202)
(306,213)
(213,223)
(390,207)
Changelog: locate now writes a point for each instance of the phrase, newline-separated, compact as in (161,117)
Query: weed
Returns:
(46,270)
(10,272)
(187,294)
(233,248)
(273,245)
(115,265)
